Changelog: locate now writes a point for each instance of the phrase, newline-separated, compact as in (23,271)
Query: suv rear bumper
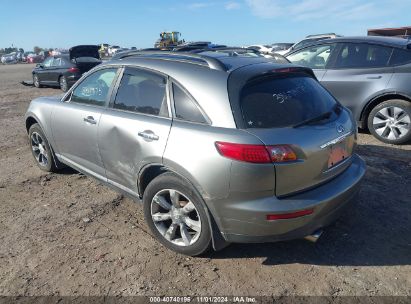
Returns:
(246,221)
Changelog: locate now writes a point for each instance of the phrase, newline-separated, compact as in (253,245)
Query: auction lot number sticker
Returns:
(202,299)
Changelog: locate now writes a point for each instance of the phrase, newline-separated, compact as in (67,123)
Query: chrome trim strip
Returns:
(336,140)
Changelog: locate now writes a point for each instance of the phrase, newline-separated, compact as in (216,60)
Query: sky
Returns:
(128,23)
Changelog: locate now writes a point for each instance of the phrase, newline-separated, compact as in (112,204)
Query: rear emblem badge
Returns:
(340,129)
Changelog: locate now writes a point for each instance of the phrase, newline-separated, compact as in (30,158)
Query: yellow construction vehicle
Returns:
(168,39)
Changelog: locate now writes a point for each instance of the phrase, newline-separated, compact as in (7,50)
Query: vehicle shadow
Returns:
(68,171)
(375,231)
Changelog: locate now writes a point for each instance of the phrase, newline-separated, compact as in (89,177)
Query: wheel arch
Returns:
(30,120)
(376,101)
(151,171)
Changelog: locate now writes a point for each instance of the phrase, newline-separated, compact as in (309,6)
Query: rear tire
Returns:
(63,83)
(181,224)
(36,81)
(390,121)
(41,150)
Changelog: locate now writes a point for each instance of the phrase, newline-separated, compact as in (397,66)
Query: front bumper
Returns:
(245,221)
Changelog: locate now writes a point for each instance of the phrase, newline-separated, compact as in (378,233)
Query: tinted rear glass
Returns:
(283,102)
(400,56)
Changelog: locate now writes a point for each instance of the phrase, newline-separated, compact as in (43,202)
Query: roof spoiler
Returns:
(285,70)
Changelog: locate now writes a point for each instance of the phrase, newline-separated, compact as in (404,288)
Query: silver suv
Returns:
(220,147)
(369,75)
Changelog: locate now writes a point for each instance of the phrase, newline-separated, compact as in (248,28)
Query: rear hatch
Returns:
(85,57)
(289,107)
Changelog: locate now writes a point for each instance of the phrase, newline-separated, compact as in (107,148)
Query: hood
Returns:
(84,51)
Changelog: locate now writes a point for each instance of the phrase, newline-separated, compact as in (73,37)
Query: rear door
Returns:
(360,71)
(75,122)
(134,131)
(316,57)
(296,111)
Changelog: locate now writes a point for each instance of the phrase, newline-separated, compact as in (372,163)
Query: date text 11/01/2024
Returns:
(203,299)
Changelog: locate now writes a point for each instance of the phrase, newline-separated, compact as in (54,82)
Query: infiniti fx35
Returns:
(219,147)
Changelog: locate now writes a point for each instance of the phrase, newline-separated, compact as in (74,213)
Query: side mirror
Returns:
(40,65)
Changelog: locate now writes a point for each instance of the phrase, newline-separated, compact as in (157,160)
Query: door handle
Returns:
(374,77)
(90,120)
(147,134)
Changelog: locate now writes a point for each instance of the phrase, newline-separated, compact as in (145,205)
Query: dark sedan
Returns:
(64,70)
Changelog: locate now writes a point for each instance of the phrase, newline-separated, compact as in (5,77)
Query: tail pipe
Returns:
(314,236)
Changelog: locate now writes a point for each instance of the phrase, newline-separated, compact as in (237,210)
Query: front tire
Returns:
(390,121)
(41,150)
(63,83)
(176,215)
(36,81)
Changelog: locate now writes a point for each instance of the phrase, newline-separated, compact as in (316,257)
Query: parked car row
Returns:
(9,58)
(107,50)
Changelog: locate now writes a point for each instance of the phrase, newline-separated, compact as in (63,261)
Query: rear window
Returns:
(283,102)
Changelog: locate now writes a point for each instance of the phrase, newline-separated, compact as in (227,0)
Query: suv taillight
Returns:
(256,153)
(73,70)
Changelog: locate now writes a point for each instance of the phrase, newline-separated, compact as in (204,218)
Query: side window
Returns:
(142,92)
(362,55)
(185,107)
(48,62)
(400,56)
(315,57)
(94,89)
(57,62)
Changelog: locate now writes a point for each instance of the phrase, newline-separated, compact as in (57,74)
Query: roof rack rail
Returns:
(228,49)
(211,62)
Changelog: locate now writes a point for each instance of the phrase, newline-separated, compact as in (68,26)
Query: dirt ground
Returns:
(47,248)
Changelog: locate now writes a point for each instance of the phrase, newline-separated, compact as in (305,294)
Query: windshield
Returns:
(283,102)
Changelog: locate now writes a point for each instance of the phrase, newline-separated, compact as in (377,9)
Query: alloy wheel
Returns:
(39,149)
(391,123)
(36,81)
(63,84)
(175,217)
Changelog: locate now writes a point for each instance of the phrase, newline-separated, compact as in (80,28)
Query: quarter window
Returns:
(185,107)
(400,56)
(315,57)
(362,55)
(95,88)
(142,92)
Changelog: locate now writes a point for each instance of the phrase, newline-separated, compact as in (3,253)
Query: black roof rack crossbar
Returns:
(211,62)
(228,49)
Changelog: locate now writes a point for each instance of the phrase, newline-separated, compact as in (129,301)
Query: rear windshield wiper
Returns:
(336,108)
(323,116)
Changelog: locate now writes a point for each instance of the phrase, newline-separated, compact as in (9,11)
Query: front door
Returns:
(75,122)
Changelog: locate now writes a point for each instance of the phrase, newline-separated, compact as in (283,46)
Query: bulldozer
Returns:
(168,39)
